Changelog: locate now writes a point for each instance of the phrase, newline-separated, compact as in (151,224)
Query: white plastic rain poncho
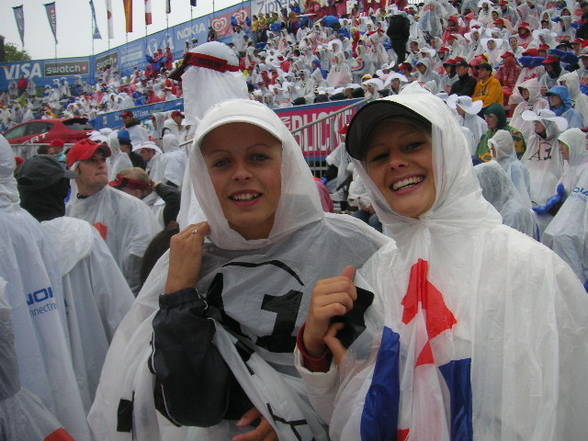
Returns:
(535,103)
(22,415)
(496,353)
(96,296)
(505,156)
(124,222)
(118,160)
(572,82)
(33,290)
(567,233)
(172,162)
(542,157)
(304,246)
(498,189)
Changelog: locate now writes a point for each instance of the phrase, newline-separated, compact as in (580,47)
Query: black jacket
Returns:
(464,86)
(398,27)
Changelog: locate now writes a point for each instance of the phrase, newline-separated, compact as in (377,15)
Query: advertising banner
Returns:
(113,121)
(64,68)
(19,18)
(105,60)
(51,16)
(266,6)
(318,140)
(131,55)
(43,72)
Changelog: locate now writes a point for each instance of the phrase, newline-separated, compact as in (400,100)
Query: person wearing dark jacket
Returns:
(398,32)
(465,85)
(124,140)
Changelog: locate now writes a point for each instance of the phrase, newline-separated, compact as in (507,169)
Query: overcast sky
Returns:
(74,18)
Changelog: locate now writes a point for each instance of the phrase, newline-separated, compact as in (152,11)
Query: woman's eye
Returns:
(379,157)
(221,163)
(413,146)
(259,157)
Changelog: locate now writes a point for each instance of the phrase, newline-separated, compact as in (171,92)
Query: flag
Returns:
(167,6)
(128,5)
(109,19)
(148,16)
(51,16)
(96,35)
(19,17)
(193,3)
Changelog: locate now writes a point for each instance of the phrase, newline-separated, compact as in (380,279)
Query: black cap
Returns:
(368,117)
(42,171)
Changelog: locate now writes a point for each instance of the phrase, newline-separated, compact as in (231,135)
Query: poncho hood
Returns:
(458,202)
(8,187)
(299,202)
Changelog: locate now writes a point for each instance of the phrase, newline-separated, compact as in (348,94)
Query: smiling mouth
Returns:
(411,181)
(244,197)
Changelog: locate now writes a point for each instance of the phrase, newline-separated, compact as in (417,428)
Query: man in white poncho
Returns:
(256,273)
(124,222)
(476,332)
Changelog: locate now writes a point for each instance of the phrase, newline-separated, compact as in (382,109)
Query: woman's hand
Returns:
(330,298)
(263,432)
(185,257)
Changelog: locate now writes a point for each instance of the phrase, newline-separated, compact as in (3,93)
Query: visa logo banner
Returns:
(28,70)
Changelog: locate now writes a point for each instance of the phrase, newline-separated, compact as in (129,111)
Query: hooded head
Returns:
(170,143)
(532,86)
(573,148)
(564,96)
(497,111)
(455,187)
(298,201)
(8,191)
(43,185)
(572,82)
(213,67)
(575,141)
(503,145)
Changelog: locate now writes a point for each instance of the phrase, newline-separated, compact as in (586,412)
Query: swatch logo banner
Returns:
(66,68)
(107,60)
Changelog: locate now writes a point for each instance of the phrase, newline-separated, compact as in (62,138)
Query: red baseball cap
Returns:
(524,25)
(498,21)
(550,60)
(451,61)
(85,149)
(444,49)
(57,143)
(507,54)
(531,53)
(177,113)
(126,113)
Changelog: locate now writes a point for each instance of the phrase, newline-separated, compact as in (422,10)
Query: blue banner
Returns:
(19,17)
(131,55)
(96,35)
(44,72)
(51,16)
(113,120)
